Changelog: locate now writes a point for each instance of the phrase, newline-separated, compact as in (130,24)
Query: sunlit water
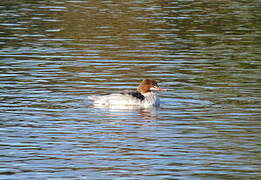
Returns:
(55,54)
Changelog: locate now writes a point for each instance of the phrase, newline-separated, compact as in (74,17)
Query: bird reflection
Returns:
(131,112)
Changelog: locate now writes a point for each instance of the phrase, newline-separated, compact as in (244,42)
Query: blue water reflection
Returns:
(55,54)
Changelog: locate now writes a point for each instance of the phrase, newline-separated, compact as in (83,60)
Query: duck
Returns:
(144,96)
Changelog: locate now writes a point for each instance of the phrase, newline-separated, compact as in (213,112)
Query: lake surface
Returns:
(54,54)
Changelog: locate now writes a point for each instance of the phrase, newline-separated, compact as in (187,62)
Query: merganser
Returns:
(143,96)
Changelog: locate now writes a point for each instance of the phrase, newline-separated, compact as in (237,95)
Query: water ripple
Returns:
(55,54)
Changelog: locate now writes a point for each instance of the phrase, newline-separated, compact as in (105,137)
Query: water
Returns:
(55,54)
